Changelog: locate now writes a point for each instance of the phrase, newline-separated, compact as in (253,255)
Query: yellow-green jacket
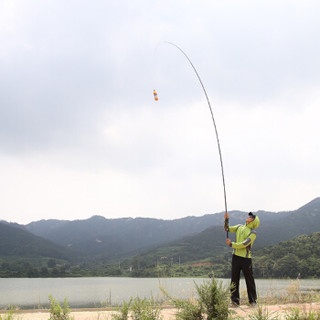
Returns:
(245,236)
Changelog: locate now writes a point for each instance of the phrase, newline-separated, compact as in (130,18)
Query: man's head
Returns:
(253,221)
(250,218)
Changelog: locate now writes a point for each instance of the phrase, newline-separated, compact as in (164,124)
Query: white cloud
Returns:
(81,135)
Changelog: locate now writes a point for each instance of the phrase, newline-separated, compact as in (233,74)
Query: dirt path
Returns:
(169,314)
(276,309)
(80,314)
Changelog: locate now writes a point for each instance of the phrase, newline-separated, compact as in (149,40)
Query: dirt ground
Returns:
(276,309)
(168,314)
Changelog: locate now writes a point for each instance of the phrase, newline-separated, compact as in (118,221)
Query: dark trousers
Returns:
(244,264)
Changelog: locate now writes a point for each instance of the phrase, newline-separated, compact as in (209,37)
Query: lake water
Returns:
(98,292)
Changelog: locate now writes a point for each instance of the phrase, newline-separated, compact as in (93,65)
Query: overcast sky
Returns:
(80,133)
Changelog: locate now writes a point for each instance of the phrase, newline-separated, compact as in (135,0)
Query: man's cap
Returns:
(252,215)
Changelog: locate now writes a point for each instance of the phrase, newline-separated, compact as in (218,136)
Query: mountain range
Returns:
(274,228)
(109,239)
(17,242)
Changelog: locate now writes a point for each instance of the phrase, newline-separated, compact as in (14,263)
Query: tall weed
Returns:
(143,309)
(294,293)
(212,303)
(57,312)
(139,309)
(262,313)
(9,315)
(123,312)
(297,314)
(291,294)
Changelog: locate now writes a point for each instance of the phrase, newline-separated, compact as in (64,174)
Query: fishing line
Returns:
(213,120)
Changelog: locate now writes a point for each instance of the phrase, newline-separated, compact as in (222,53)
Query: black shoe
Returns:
(234,304)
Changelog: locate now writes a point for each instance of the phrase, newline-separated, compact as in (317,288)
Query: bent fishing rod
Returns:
(214,124)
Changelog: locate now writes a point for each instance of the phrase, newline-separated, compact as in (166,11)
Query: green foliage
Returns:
(301,255)
(123,312)
(213,302)
(214,299)
(297,314)
(32,268)
(262,313)
(57,312)
(188,310)
(141,309)
(9,315)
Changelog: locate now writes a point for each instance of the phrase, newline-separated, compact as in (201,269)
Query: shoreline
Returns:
(168,312)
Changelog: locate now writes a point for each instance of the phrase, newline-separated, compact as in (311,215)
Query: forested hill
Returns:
(210,243)
(104,243)
(192,238)
(299,256)
(16,242)
(117,238)
(305,220)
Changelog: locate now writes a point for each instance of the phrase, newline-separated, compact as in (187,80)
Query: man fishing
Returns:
(241,257)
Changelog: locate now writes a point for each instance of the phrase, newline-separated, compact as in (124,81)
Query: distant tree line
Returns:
(24,269)
(299,257)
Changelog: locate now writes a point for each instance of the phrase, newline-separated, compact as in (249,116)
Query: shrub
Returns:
(141,309)
(212,303)
(124,312)
(57,312)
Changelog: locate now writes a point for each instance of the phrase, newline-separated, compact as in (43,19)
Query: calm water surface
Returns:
(97,292)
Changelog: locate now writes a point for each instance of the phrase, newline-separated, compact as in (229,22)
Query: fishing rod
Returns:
(214,124)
